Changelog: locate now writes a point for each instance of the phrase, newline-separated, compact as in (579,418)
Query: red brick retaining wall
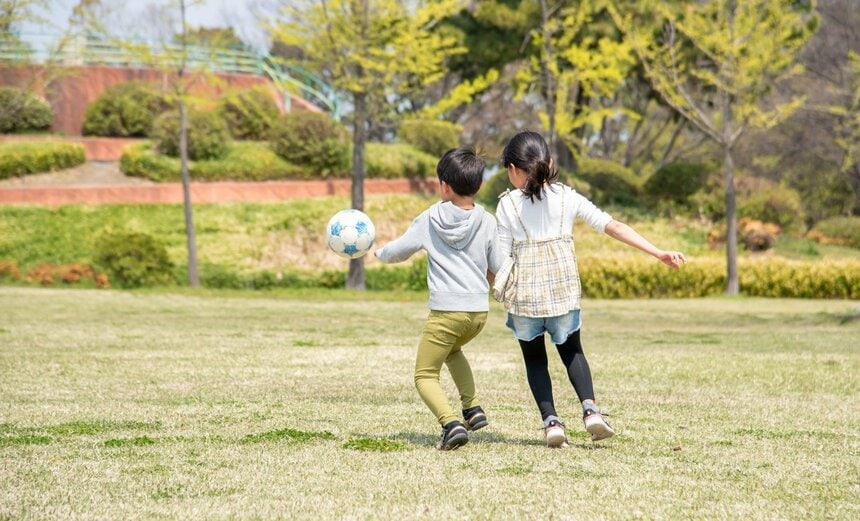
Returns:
(203,193)
(95,148)
(70,94)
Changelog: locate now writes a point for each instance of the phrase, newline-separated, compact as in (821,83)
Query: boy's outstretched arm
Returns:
(620,231)
(404,246)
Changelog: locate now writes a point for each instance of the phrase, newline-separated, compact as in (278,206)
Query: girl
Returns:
(535,227)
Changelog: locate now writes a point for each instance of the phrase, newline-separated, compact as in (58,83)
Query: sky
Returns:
(134,15)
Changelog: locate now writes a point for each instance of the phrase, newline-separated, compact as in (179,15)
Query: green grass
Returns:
(229,405)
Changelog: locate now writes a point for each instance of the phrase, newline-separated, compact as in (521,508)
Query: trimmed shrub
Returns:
(244,161)
(21,111)
(125,109)
(838,230)
(313,140)
(767,201)
(676,182)
(133,260)
(22,158)
(397,160)
(250,114)
(207,134)
(430,135)
(756,198)
(631,278)
(602,277)
(610,182)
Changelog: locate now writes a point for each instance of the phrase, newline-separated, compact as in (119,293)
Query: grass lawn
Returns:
(186,405)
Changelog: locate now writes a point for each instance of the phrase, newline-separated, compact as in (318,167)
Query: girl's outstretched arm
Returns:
(620,231)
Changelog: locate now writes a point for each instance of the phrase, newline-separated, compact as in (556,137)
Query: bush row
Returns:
(252,161)
(601,278)
(629,278)
(19,158)
(130,109)
(610,279)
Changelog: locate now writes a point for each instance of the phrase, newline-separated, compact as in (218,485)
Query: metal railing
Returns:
(87,50)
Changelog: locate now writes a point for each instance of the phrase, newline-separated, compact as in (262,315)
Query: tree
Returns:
(173,60)
(15,12)
(715,63)
(376,51)
(578,66)
(847,131)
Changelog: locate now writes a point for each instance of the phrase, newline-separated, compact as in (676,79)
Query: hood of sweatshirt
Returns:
(456,226)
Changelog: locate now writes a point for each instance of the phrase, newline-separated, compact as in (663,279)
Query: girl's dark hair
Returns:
(529,152)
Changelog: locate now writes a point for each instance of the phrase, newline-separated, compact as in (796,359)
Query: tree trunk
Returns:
(732,281)
(853,174)
(549,79)
(355,278)
(193,277)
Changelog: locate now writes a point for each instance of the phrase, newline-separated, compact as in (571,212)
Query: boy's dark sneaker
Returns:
(596,425)
(454,436)
(475,418)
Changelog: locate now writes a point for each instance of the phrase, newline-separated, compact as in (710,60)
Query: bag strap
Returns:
(561,224)
(507,193)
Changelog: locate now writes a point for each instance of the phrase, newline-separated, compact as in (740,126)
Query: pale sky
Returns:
(135,16)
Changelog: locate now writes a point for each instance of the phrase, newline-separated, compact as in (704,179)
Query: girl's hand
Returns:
(673,259)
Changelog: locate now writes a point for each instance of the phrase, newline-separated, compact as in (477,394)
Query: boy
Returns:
(462,253)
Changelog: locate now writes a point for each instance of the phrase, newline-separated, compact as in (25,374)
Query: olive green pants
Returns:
(444,335)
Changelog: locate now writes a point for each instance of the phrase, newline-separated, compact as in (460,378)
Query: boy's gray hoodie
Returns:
(462,246)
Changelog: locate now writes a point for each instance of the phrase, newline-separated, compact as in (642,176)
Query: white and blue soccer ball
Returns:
(350,233)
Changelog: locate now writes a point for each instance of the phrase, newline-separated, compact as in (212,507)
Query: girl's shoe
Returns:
(554,434)
(597,426)
(454,436)
(475,418)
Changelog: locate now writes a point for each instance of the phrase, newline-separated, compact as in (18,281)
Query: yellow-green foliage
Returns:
(632,277)
(18,158)
(582,62)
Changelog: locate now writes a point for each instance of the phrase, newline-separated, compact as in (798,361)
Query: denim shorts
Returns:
(559,328)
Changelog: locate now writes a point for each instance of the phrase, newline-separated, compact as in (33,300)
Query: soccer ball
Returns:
(350,233)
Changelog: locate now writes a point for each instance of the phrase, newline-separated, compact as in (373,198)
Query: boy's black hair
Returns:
(462,169)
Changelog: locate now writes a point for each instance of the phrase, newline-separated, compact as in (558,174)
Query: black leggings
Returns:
(534,355)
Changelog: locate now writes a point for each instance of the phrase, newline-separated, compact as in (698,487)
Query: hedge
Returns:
(22,158)
(611,279)
(244,161)
(254,161)
(631,277)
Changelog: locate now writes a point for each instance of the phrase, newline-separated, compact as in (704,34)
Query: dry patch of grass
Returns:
(226,405)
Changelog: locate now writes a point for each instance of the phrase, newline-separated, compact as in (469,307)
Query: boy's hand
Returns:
(673,259)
